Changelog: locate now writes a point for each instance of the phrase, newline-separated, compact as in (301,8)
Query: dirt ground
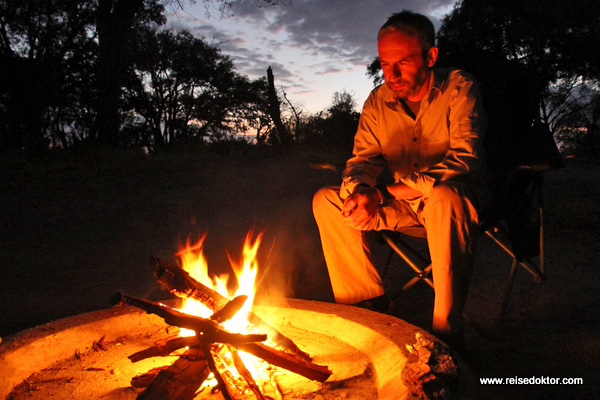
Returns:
(75,230)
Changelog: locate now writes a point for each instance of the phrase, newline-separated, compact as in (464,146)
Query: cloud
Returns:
(336,28)
(306,42)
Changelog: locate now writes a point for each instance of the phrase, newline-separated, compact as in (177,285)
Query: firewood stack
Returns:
(207,349)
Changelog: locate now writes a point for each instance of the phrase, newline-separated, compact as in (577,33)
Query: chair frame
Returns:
(495,231)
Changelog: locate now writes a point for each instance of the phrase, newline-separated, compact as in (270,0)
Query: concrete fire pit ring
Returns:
(381,337)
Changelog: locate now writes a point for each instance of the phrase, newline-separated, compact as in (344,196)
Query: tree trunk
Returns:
(114,20)
(285,138)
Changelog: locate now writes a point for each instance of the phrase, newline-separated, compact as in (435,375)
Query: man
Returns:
(426,125)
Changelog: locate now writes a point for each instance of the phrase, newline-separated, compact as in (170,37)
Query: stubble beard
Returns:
(420,78)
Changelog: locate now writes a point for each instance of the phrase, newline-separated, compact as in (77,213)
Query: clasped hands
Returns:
(360,208)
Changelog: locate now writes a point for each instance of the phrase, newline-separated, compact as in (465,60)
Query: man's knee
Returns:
(325,200)
(454,199)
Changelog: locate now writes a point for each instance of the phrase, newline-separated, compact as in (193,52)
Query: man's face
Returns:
(404,69)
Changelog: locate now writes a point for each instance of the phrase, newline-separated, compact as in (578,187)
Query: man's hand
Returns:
(360,207)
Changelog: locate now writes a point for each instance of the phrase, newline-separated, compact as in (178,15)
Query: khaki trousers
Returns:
(451,223)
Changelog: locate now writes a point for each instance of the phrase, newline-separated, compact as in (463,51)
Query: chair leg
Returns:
(507,291)
(401,253)
(422,276)
(538,275)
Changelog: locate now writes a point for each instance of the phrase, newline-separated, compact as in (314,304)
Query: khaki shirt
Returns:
(443,143)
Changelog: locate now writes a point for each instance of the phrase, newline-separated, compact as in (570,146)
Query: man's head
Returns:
(407,54)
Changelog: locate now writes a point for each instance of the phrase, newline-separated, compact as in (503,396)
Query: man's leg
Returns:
(353,276)
(451,222)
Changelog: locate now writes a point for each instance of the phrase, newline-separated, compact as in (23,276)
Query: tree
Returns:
(283,136)
(334,129)
(517,50)
(46,52)
(573,109)
(185,89)
(115,22)
(64,63)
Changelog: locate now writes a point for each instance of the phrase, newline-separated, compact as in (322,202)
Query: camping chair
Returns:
(516,226)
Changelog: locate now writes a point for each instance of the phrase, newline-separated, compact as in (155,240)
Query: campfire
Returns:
(224,346)
(217,344)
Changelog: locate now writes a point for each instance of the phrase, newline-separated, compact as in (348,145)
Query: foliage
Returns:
(522,52)
(224,7)
(47,52)
(182,89)
(374,72)
(334,129)
(64,65)
(573,108)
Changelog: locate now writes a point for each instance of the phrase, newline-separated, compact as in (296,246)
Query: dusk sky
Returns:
(315,47)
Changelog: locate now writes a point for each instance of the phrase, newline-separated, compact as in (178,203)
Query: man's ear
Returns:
(432,56)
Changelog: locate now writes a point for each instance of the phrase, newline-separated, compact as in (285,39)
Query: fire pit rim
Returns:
(43,345)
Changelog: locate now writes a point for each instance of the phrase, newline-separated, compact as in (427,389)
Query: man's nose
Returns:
(396,73)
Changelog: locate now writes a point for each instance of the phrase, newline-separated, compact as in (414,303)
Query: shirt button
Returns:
(415,165)
(414,139)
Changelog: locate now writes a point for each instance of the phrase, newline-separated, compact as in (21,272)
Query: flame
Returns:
(245,271)
(193,262)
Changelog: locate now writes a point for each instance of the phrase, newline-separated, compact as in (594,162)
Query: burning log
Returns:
(229,310)
(164,348)
(287,361)
(181,380)
(207,329)
(213,368)
(180,283)
(241,367)
(273,356)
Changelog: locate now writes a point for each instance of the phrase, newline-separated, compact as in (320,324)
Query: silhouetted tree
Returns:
(185,89)
(334,129)
(46,56)
(115,23)
(517,50)
(63,64)
(115,19)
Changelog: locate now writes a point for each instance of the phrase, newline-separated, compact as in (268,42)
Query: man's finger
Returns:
(349,206)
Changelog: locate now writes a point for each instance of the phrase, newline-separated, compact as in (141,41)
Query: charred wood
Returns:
(144,380)
(229,310)
(181,380)
(273,356)
(180,283)
(213,368)
(287,361)
(164,348)
(207,329)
